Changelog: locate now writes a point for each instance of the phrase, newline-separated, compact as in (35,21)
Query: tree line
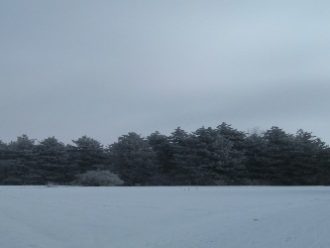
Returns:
(206,156)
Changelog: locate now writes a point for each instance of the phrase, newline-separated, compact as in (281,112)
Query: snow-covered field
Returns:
(172,217)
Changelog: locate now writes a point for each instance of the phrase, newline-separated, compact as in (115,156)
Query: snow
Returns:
(158,217)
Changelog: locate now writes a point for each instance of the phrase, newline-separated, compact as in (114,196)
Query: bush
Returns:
(98,178)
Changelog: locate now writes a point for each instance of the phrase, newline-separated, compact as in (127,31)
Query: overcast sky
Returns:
(104,68)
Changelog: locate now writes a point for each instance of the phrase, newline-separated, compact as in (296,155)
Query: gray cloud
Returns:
(103,68)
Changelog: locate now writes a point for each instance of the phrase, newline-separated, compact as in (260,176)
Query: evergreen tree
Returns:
(183,170)
(22,160)
(307,161)
(160,144)
(52,158)
(278,151)
(87,154)
(206,156)
(236,137)
(133,159)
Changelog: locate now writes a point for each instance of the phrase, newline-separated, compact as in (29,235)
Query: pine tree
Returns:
(87,154)
(133,159)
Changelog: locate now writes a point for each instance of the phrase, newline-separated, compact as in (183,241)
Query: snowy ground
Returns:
(159,217)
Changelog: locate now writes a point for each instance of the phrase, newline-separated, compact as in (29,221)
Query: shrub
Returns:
(98,178)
